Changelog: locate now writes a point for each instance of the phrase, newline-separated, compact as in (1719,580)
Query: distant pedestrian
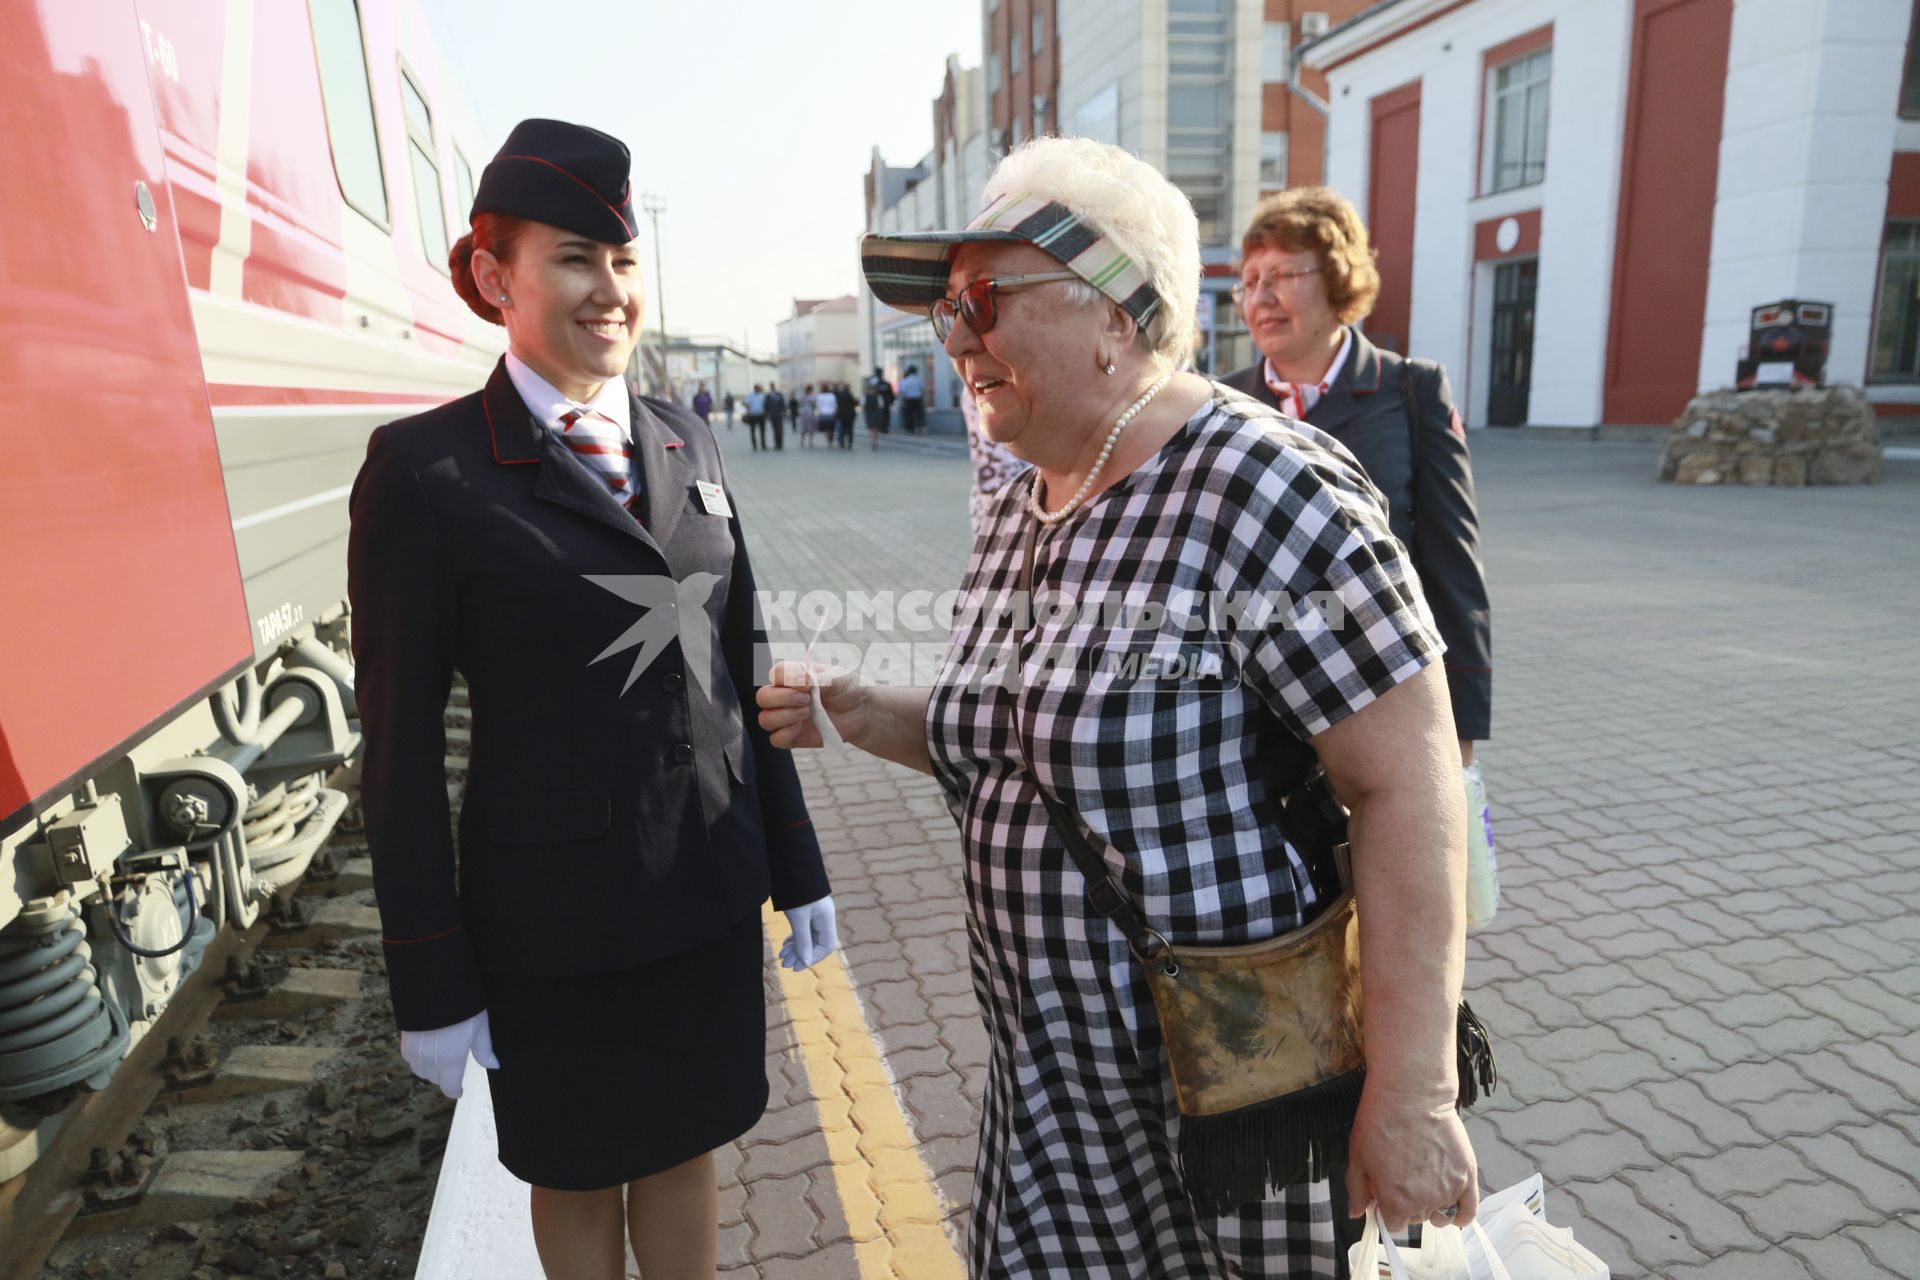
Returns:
(826,406)
(846,408)
(777,416)
(703,403)
(728,405)
(757,416)
(874,405)
(879,383)
(913,401)
(806,415)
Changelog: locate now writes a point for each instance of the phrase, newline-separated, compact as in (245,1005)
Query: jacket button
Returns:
(682,752)
(673,681)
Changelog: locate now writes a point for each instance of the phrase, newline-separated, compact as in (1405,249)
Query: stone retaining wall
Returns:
(1825,435)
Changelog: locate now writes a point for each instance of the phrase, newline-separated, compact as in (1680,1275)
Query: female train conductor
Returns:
(572,550)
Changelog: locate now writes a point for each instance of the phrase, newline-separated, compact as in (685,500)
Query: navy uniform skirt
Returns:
(616,1076)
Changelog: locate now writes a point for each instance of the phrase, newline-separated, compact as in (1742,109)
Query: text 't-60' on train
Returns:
(224,260)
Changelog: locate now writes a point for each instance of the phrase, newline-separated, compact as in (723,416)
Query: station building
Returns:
(819,343)
(1577,203)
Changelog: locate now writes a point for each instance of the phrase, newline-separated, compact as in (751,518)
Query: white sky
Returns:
(752,119)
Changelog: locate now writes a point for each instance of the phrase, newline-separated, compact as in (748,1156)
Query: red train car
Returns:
(224,264)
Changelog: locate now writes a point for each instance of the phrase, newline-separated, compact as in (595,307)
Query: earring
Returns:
(503,297)
(1108,369)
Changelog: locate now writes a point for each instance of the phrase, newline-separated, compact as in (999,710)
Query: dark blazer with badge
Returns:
(622,804)
(1433,513)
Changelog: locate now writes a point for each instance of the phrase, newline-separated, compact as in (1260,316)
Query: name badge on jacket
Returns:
(713,498)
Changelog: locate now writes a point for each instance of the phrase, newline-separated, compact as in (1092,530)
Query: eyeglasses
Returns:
(975,304)
(1271,284)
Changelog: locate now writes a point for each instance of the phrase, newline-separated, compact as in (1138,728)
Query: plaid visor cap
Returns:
(909,270)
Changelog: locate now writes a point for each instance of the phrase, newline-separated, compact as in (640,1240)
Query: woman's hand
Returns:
(786,704)
(1410,1156)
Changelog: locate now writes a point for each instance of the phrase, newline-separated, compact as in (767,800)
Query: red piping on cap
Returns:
(588,186)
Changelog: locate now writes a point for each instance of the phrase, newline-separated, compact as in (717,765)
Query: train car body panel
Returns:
(112,503)
(319,316)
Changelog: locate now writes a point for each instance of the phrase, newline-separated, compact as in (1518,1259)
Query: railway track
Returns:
(266,1126)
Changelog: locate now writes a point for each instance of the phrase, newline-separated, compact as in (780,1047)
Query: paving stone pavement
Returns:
(1706,790)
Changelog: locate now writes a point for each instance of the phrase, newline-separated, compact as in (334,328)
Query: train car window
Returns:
(418,117)
(462,184)
(428,202)
(347,95)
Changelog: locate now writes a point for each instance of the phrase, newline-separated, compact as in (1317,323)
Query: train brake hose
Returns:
(125,939)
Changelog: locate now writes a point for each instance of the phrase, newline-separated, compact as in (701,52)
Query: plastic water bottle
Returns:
(1483,873)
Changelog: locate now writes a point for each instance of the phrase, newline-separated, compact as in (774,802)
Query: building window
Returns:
(1896,328)
(1013,61)
(347,98)
(1039,31)
(1517,121)
(1019,134)
(1910,85)
(1200,109)
(1099,116)
(1039,113)
(427,200)
(993,73)
(1274,48)
(1273,159)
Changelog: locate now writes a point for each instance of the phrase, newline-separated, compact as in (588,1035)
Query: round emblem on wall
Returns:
(1506,235)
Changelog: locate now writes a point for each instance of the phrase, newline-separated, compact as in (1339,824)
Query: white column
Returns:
(1805,150)
(1580,204)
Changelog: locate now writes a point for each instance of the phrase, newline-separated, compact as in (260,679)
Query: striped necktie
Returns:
(597,441)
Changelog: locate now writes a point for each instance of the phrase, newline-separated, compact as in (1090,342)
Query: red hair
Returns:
(497,233)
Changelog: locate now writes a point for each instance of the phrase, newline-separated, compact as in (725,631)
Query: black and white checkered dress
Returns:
(1178,776)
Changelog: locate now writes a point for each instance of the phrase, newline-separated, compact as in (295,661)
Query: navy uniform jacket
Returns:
(603,825)
(1433,514)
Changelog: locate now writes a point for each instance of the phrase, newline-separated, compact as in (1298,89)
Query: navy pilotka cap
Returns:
(565,175)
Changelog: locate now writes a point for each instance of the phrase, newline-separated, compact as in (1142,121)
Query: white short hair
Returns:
(1132,204)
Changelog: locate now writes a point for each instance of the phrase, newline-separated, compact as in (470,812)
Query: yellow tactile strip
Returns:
(886,1191)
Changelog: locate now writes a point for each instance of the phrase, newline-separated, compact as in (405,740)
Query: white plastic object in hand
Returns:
(1443,1254)
(813,938)
(1483,873)
(439,1056)
(830,740)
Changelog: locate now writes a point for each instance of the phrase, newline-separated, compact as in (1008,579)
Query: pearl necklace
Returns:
(1099,463)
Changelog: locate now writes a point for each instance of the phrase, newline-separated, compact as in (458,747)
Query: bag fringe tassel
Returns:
(1233,1159)
(1473,1048)
(1237,1157)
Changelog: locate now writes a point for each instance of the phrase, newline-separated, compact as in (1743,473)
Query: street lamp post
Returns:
(654,206)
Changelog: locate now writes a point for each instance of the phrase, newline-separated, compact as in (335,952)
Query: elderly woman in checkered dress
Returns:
(1066,306)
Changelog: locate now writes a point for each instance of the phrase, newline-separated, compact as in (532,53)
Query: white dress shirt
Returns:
(549,406)
(1298,398)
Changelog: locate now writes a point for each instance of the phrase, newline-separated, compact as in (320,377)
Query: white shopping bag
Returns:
(1509,1239)
(1530,1247)
(1445,1253)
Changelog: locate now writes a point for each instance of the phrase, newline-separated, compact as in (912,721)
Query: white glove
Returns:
(440,1056)
(813,937)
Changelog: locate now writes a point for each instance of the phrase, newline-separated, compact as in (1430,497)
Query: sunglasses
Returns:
(975,304)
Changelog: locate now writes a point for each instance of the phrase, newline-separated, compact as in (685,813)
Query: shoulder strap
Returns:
(1410,405)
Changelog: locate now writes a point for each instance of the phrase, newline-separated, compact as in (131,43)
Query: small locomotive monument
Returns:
(1780,424)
